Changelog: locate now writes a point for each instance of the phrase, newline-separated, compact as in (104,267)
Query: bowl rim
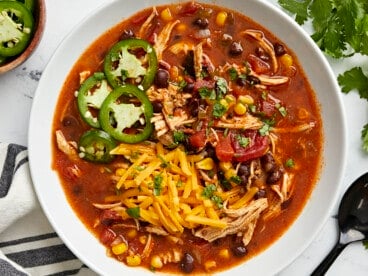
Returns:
(340,117)
(40,21)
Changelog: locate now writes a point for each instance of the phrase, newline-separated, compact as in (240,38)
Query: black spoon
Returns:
(353,221)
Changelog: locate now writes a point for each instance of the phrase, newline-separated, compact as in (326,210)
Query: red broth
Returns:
(223,70)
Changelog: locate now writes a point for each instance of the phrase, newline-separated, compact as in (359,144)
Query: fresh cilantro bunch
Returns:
(340,30)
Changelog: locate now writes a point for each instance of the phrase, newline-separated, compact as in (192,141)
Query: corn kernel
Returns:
(230,173)
(205,164)
(132,233)
(246,99)
(224,166)
(181,27)
(209,265)
(119,248)
(134,260)
(143,239)
(221,18)
(156,262)
(240,108)
(231,100)
(166,15)
(286,60)
(120,172)
(224,253)
(224,103)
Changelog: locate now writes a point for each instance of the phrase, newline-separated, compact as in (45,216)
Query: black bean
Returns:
(274,176)
(235,49)
(162,78)
(244,170)
(69,121)
(268,162)
(261,53)
(127,34)
(188,87)
(157,107)
(239,250)
(241,81)
(210,152)
(202,23)
(260,194)
(187,263)
(252,80)
(279,49)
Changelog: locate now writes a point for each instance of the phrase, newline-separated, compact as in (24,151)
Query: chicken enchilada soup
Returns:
(187,138)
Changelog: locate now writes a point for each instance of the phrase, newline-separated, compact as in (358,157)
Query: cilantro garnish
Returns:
(221,87)
(243,141)
(207,93)
(233,73)
(133,212)
(340,30)
(218,110)
(157,184)
(208,192)
(179,137)
(290,163)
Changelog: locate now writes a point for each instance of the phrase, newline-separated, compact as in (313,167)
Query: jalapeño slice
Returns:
(126,114)
(131,61)
(91,95)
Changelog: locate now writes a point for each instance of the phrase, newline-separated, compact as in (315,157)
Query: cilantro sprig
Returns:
(340,30)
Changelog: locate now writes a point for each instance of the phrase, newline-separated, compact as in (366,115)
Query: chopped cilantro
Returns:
(221,87)
(243,141)
(208,192)
(134,212)
(233,73)
(164,163)
(218,110)
(236,179)
(290,163)
(157,184)
(179,137)
(265,129)
(207,93)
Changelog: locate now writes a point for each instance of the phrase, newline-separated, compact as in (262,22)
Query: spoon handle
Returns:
(329,259)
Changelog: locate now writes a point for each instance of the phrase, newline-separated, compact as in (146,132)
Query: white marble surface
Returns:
(17,89)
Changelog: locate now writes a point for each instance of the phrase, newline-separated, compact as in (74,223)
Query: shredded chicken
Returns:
(269,80)
(265,44)
(238,220)
(163,38)
(147,24)
(239,122)
(298,128)
(198,59)
(69,148)
(181,47)
(148,247)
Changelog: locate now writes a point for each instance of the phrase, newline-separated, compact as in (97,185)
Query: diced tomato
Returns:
(108,217)
(204,83)
(107,236)
(189,9)
(198,139)
(258,65)
(267,108)
(257,147)
(224,149)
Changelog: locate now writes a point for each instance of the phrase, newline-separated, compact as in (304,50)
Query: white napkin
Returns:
(28,244)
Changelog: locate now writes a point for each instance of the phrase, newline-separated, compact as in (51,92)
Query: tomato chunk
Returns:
(224,149)
(258,145)
(198,139)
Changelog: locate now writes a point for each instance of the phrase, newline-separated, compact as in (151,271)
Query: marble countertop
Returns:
(17,89)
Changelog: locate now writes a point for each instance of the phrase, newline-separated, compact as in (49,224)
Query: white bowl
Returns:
(50,193)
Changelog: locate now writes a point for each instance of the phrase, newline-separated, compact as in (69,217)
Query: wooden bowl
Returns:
(39,19)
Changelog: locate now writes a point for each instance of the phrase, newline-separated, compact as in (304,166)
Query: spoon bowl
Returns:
(352,221)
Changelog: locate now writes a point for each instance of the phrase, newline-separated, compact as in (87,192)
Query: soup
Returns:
(187,138)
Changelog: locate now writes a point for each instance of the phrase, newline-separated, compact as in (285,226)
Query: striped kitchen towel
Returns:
(28,244)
